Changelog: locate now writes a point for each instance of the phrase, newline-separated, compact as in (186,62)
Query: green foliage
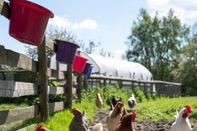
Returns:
(187,68)
(56,98)
(155,42)
(148,107)
(139,95)
(29,100)
(165,108)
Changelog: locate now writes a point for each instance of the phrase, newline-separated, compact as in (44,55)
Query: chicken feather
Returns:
(114,116)
(126,122)
(182,122)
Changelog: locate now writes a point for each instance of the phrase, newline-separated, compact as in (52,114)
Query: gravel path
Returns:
(140,125)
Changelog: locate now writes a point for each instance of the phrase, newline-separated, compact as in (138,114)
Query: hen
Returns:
(114,101)
(41,128)
(78,122)
(182,122)
(114,116)
(99,101)
(126,122)
(97,127)
(132,101)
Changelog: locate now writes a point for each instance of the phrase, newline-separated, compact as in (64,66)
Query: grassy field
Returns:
(154,108)
(165,108)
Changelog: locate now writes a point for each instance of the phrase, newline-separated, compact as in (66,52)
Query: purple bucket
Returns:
(65,51)
(89,71)
(86,68)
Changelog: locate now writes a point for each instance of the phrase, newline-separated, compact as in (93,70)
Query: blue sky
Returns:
(105,21)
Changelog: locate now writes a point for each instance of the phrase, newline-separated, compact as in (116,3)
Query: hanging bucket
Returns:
(79,63)
(86,68)
(89,71)
(65,51)
(28,21)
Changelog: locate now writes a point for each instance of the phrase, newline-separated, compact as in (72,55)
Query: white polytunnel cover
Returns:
(110,67)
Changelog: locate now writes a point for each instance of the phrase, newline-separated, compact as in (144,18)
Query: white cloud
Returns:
(184,9)
(60,22)
(85,24)
(65,23)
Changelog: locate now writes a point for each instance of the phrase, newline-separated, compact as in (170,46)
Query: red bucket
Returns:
(28,21)
(79,63)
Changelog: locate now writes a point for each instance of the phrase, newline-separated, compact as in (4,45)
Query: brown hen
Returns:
(114,116)
(99,101)
(126,122)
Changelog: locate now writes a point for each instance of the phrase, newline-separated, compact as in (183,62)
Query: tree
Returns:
(156,42)
(62,34)
(90,48)
(187,73)
(104,53)
(57,33)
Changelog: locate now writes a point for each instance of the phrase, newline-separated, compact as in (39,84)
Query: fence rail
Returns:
(150,86)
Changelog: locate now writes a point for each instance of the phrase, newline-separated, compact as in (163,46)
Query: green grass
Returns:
(165,108)
(155,110)
(148,107)
(12,106)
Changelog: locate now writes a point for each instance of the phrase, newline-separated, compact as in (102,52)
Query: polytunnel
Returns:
(110,67)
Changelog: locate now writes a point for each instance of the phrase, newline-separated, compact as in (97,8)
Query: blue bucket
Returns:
(89,71)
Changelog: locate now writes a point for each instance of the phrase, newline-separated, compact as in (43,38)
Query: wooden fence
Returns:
(159,87)
(13,89)
(17,89)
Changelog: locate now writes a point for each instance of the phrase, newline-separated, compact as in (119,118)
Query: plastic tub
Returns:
(86,68)
(79,63)
(65,51)
(89,71)
(28,21)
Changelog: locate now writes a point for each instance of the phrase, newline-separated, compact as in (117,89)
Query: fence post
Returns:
(104,82)
(3,75)
(79,86)
(4,9)
(85,83)
(68,87)
(43,81)
(133,85)
(120,83)
(151,88)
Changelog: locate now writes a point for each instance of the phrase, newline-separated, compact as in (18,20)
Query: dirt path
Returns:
(140,125)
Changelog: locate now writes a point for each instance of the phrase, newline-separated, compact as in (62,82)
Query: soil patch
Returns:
(140,125)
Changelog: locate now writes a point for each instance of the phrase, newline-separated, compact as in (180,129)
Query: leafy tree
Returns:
(156,43)
(90,48)
(62,34)
(57,33)
(104,53)
(187,72)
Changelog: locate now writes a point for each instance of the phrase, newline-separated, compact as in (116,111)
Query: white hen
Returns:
(132,101)
(97,127)
(182,122)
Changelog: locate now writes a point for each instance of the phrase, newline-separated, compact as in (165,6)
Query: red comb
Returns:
(73,109)
(38,127)
(188,108)
(185,115)
(134,113)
